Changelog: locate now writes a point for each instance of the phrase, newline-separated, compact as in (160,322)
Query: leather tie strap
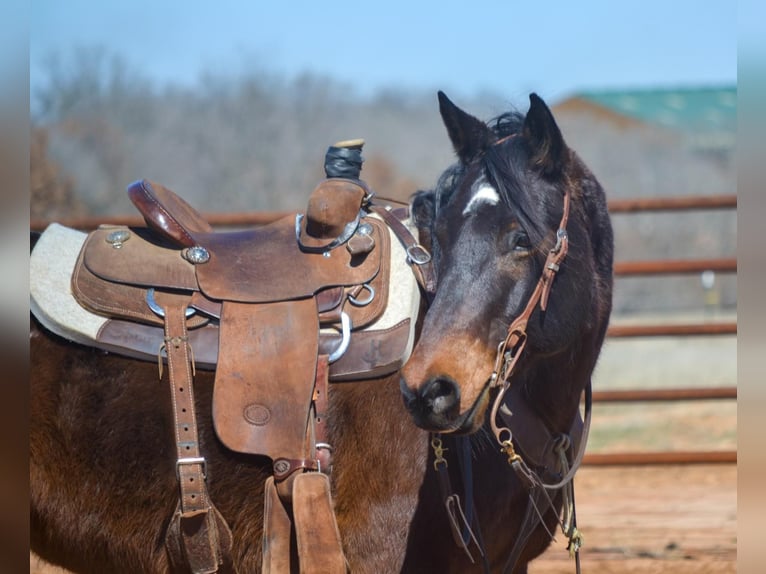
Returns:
(417,255)
(321,401)
(462,523)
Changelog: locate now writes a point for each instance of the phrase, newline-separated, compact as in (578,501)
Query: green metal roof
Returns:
(691,110)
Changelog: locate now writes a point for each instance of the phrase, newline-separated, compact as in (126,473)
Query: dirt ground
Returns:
(648,520)
(652,519)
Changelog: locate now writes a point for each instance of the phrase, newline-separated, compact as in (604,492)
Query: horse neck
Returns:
(554,384)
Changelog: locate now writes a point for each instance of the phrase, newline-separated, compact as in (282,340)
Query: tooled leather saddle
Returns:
(277,311)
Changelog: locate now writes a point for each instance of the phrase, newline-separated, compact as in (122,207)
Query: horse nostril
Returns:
(441,395)
(408,395)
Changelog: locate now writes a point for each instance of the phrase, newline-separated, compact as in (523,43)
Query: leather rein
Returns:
(508,353)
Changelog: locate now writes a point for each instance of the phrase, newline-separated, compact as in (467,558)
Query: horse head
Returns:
(495,224)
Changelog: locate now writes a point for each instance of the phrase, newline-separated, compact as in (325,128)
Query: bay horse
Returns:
(518,210)
(102,466)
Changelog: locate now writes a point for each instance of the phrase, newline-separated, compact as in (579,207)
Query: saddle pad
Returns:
(51,300)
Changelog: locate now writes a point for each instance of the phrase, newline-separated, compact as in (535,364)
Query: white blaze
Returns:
(485,194)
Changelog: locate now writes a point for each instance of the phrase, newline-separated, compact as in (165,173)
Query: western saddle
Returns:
(323,292)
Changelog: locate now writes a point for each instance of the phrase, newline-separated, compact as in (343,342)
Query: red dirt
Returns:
(652,519)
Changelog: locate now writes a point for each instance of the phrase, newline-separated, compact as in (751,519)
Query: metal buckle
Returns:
(439,450)
(561,236)
(418,254)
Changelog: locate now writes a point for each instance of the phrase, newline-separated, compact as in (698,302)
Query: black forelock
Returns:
(507,124)
(506,165)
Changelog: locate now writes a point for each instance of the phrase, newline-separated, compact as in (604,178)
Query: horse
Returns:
(416,463)
(518,210)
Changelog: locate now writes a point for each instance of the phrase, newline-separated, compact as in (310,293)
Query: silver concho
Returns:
(117,238)
(196,254)
(281,466)
(364,229)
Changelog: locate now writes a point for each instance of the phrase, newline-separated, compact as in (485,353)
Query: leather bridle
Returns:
(509,350)
(508,353)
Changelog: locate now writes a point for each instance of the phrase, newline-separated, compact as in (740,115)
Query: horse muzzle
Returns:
(435,406)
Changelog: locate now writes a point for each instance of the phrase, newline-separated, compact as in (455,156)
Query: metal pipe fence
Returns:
(664,268)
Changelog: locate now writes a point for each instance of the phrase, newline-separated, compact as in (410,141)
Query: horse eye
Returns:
(519,241)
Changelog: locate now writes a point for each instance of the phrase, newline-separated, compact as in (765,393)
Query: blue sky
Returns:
(509,47)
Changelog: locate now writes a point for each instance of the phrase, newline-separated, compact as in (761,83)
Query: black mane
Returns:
(506,165)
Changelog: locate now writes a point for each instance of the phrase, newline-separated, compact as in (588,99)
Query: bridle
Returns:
(509,350)
(464,525)
(508,353)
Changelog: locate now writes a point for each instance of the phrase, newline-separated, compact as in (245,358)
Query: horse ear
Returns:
(469,135)
(545,142)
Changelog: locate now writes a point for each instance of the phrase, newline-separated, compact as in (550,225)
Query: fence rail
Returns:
(692,202)
(650,395)
(663,330)
(215,219)
(662,457)
(674,266)
(669,267)
(687,203)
